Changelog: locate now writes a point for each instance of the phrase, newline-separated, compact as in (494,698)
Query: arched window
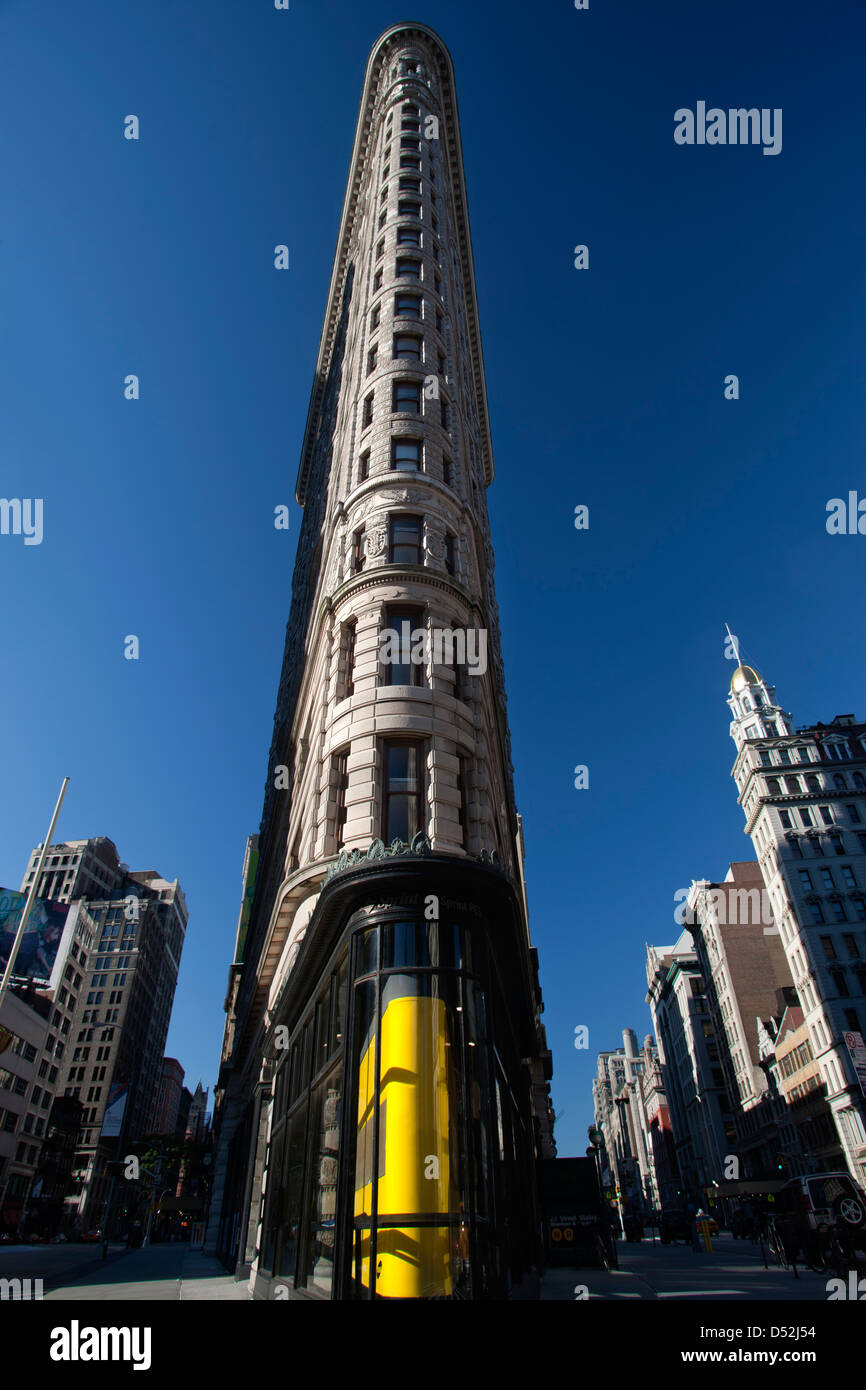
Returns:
(859,779)
(813,783)
(773,786)
(839,781)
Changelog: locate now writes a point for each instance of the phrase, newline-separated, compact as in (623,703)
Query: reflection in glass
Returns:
(324,1139)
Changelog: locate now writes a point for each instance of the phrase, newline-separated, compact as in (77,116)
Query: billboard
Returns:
(112,1121)
(42,936)
(857,1050)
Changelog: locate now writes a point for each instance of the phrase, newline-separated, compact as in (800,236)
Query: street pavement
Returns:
(733,1272)
(160,1273)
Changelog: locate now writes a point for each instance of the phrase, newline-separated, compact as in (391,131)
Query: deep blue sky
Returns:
(606,388)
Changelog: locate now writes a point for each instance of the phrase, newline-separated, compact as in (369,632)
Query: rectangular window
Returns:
(341,781)
(444,409)
(396,662)
(463,803)
(838,910)
(364,466)
(358,552)
(854,814)
(785,818)
(406,457)
(851,944)
(848,876)
(368,411)
(406,396)
(407,268)
(375,318)
(410,161)
(826,815)
(449,553)
(407,207)
(372,358)
(348,634)
(405,533)
(805,879)
(407,346)
(447,469)
(827,878)
(377,282)
(407,306)
(408,236)
(836,842)
(403,791)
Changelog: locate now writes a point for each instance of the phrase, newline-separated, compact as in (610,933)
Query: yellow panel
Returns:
(414,1155)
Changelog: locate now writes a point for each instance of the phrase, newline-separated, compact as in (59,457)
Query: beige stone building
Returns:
(384,972)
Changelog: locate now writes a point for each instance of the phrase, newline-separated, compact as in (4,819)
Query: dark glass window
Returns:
(407,306)
(408,268)
(408,346)
(406,397)
(358,552)
(402,812)
(405,540)
(406,457)
(408,236)
(395,656)
(341,786)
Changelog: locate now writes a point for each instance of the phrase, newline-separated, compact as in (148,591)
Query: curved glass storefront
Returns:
(395,1133)
(420,1167)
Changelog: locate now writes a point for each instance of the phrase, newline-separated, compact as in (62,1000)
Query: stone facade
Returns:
(382,766)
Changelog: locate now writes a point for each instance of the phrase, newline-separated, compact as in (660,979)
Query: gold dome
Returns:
(743,676)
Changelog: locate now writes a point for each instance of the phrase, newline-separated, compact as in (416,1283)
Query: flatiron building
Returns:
(383,1095)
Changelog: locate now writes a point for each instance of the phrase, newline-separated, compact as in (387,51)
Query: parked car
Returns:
(93,1236)
(828,1199)
(821,1202)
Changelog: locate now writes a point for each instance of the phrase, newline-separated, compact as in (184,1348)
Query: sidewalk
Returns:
(156,1273)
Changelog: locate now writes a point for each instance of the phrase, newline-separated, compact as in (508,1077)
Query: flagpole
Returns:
(31,896)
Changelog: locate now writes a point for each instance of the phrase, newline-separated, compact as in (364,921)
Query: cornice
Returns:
(390,574)
(451,130)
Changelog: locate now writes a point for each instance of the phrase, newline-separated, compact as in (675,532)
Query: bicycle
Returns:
(777,1245)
